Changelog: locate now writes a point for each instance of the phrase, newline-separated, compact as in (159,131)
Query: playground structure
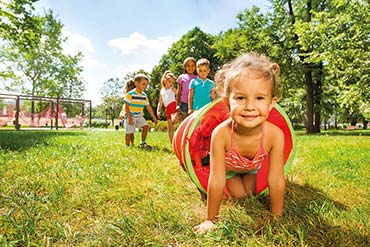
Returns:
(13,110)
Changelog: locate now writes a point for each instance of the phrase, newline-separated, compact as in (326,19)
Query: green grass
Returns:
(84,188)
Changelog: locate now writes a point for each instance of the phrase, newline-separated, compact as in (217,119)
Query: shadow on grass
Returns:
(21,140)
(306,211)
(156,149)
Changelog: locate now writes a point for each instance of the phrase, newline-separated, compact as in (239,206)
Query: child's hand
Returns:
(158,114)
(155,121)
(205,227)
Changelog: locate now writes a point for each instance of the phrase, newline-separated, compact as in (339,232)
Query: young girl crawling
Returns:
(240,144)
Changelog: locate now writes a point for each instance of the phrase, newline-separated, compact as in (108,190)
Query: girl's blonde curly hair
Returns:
(257,63)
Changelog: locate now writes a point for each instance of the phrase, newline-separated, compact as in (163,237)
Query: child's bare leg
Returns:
(175,118)
(132,139)
(249,182)
(129,139)
(242,185)
(144,133)
(235,187)
(170,129)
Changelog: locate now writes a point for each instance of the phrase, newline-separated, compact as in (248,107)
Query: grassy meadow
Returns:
(84,188)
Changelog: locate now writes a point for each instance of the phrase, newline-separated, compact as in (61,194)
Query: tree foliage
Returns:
(32,51)
(194,43)
(322,48)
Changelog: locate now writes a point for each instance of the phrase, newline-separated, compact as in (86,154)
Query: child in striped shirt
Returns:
(135,101)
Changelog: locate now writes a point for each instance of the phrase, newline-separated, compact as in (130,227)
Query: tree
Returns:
(194,43)
(321,46)
(338,38)
(112,97)
(32,50)
(267,34)
(17,27)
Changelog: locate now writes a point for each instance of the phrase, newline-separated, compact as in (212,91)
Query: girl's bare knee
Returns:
(238,194)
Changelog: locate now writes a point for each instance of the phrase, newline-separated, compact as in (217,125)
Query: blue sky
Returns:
(119,36)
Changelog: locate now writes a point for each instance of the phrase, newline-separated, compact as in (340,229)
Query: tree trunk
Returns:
(317,98)
(307,69)
(309,100)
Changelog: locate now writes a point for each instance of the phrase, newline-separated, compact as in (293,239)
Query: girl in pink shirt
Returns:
(183,89)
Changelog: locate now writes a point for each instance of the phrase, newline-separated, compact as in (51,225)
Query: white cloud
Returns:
(137,43)
(135,67)
(95,72)
(77,42)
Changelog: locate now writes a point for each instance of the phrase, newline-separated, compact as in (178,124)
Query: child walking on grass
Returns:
(183,89)
(167,97)
(129,138)
(240,144)
(135,101)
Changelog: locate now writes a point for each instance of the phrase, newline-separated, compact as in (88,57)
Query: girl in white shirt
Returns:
(167,97)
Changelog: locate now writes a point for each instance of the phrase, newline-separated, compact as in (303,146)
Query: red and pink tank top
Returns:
(234,161)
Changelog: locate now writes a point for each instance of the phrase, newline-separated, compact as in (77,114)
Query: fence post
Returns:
(17,127)
(90,114)
(57,114)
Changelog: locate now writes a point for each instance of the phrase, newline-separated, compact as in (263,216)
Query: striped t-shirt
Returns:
(136,102)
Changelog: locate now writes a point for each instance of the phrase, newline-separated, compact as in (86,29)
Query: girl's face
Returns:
(250,99)
(190,67)
(169,82)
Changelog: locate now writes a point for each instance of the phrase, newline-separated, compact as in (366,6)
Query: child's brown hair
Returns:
(257,63)
(140,77)
(203,62)
(130,84)
(188,59)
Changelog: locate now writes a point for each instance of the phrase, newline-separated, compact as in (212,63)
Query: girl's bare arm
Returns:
(276,179)
(216,183)
(178,96)
(190,100)
(217,177)
(159,106)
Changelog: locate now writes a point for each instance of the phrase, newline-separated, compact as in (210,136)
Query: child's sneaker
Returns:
(145,146)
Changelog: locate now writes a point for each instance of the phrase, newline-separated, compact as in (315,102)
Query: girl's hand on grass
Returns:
(205,227)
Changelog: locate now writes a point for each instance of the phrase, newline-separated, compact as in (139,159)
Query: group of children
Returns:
(194,91)
(241,143)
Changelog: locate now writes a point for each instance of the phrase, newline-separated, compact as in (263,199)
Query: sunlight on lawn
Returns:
(84,188)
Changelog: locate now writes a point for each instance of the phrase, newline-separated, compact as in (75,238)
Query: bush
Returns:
(99,124)
(161,125)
